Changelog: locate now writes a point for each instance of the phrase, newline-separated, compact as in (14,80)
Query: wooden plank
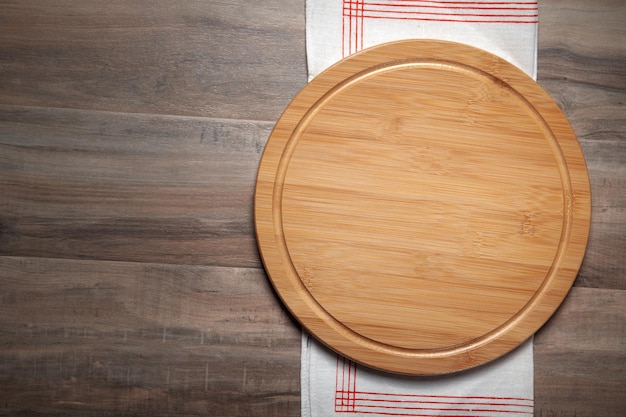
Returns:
(581,41)
(106,337)
(580,365)
(582,64)
(87,336)
(230,59)
(99,185)
(580,357)
(110,186)
(604,265)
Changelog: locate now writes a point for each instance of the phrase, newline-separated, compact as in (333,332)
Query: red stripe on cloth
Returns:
(349,400)
(345,377)
(470,13)
(486,14)
(475,18)
(466,406)
(509,404)
(362,15)
(454,20)
(352,28)
(509,5)
(481,397)
(384,413)
(355,12)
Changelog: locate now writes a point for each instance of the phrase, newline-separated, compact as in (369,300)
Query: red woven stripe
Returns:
(370,10)
(454,4)
(472,397)
(452,20)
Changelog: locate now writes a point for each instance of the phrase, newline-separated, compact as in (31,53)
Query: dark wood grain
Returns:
(112,336)
(604,265)
(580,356)
(203,58)
(582,64)
(110,186)
(179,190)
(130,134)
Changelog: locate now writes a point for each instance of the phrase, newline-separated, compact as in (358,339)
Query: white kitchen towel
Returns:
(333,385)
(335,28)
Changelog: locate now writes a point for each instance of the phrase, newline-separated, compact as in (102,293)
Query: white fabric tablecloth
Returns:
(331,384)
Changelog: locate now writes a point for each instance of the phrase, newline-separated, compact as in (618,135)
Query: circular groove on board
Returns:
(422,207)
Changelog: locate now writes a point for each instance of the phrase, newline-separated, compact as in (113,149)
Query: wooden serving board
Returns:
(422,207)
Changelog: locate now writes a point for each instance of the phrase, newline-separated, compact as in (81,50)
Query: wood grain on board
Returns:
(130,135)
(424,189)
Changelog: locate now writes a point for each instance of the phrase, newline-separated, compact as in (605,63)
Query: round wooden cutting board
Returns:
(422,207)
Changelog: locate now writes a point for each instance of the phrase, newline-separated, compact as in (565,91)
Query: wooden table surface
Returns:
(130,136)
